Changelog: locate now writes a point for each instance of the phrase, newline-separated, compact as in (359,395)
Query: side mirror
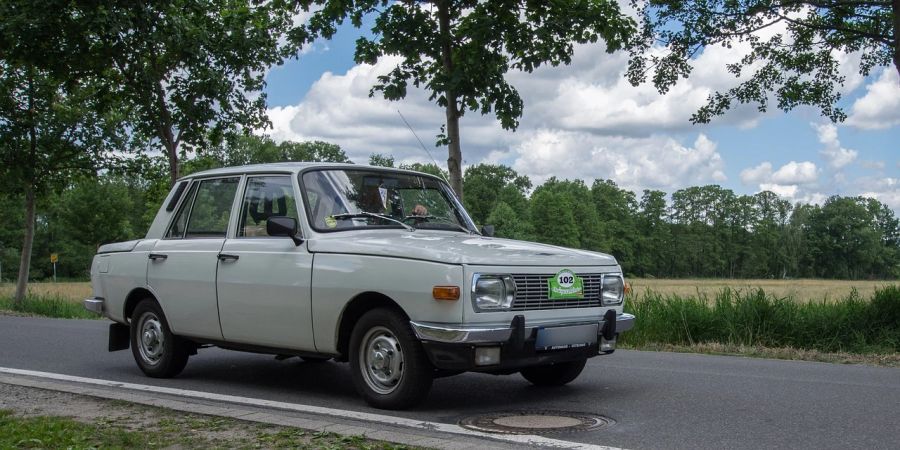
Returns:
(283,226)
(487,230)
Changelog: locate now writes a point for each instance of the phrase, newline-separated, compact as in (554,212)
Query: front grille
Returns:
(531,293)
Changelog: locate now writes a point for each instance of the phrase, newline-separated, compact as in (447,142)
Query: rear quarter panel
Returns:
(115,275)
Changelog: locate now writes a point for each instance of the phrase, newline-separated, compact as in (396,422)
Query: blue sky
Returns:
(585,122)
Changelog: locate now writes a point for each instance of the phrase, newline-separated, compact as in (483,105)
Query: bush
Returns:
(754,318)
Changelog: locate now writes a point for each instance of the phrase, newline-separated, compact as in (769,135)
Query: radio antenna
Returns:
(423,146)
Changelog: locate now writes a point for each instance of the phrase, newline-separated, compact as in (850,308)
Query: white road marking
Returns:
(529,440)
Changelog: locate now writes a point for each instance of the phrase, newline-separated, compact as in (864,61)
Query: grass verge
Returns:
(177,431)
(48,306)
(788,353)
(754,319)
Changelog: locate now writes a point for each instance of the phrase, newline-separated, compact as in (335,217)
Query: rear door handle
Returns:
(155,256)
(226,257)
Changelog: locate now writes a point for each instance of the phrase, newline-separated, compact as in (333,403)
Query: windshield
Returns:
(345,199)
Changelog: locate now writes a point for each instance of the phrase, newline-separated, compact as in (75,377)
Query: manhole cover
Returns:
(535,422)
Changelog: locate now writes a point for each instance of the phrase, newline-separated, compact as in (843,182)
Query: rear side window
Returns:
(176,231)
(212,208)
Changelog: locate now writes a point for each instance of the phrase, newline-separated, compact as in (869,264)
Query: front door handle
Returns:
(156,256)
(226,257)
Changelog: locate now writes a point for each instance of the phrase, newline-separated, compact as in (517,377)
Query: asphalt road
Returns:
(658,400)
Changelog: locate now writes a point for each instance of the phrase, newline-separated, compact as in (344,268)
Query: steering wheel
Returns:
(416,219)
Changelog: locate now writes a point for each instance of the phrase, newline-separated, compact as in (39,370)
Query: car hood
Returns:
(454,248)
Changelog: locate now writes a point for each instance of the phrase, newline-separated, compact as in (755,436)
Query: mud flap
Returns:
(119,337)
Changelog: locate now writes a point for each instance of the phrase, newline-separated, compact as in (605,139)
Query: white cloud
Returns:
(873,165)
(885,190)
(757,174)
(655,162)
(792,173)
(583,121)
(836,156)
(796,173)
(794,181)
(880,107)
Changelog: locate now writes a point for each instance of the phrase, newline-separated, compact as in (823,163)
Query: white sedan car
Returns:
(381,268)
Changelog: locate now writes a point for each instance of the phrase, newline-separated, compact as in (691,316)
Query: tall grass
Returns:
(48,306)
(754,318)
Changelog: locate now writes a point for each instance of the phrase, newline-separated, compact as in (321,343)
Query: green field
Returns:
(803,290)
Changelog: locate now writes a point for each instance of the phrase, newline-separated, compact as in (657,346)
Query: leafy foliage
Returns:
(189,71)
(461,50)
(795,47)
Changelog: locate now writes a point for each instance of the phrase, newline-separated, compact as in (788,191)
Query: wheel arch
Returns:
(354,310)
(133,298)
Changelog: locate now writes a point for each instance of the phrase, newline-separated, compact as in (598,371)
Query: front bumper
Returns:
(454,347)
(94,304)
(482,335)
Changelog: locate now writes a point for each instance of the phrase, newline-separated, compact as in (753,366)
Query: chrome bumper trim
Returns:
(454,335)
(624,322)
(462,335)
(94,304)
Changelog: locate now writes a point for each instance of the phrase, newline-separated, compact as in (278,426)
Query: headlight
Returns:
(612,289)
(492,292)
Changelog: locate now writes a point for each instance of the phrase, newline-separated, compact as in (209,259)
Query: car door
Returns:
(264,281)
(182,267)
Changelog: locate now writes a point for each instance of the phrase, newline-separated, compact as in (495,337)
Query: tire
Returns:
(555,374)
(158,352)
(388,365)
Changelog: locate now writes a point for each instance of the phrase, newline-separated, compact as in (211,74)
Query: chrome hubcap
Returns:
(381,360)
(152,338)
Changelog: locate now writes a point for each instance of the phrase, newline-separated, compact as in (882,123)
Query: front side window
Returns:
(342,199)
(266,197)
(212,208)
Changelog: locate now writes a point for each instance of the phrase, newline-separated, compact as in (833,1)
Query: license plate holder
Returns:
(566,337)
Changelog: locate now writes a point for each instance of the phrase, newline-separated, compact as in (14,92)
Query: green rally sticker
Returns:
(565,284)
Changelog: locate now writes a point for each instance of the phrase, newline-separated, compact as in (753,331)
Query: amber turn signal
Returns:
(445,292)
(627,288)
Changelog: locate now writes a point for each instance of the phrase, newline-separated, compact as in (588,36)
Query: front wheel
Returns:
(554,375)
(158,352)
(388,364)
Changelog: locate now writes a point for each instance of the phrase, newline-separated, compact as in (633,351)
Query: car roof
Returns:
(292,167)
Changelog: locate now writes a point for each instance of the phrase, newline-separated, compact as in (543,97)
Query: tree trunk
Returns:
(454,159)
(172,156)
(895,14)
(166,134)
(27,241)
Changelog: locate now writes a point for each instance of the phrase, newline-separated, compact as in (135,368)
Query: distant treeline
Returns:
(704,231)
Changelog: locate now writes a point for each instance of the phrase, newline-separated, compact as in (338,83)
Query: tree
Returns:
(487,184)
(553,218)
(616,208)
(49,131)
(189,70)
(508,224)
(796,66)
(461,50)
(377,159)
(253,149)
(575,195)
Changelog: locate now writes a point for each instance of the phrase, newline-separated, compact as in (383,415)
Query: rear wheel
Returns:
(388,364)
(158,352)
(555,374)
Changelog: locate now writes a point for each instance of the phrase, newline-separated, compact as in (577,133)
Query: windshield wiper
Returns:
(372,215)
